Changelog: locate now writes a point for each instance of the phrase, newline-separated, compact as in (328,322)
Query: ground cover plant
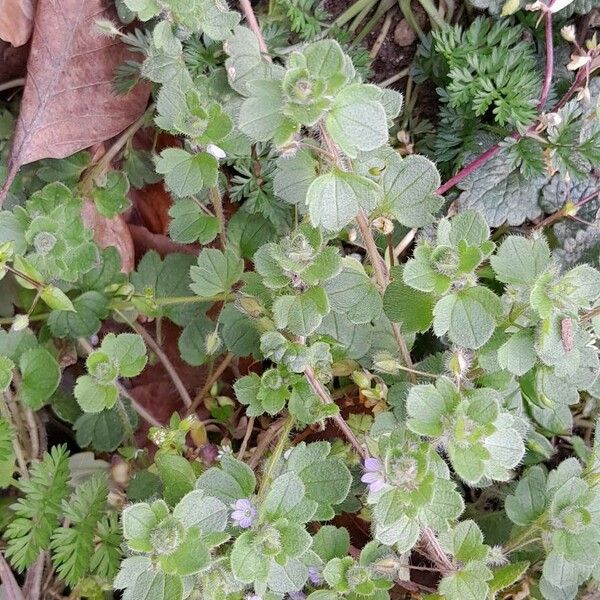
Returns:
(299,300)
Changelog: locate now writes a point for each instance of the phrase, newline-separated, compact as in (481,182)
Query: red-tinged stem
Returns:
(549,61)
(491,152)
(470,168)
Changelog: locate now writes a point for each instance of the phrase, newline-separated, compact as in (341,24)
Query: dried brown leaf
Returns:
(110,232)
(16,21)
(68,103)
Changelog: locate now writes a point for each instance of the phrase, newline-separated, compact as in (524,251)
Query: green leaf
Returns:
(56,299)
(40,376)
(190,224)
(409,185)
(128,350)
(357,120)
(286,492)
(466,542)
(331,542)
(196,509)
(335,198)
(216,272)
(520,261)
(156,278)
(247,562)
(405,305)
(90,308)
(233,481)
(518,354)
(502,193)
(240,334)
(192,341)
(111,198)
(529,500)
(468,317)
(103,431)
(303,313)
(94,397)
(507,575)
(470,583)
(186,174)
(6,369)
(262,114)
(190,557)
(247,232)
(177,475)
(353,294)
(245,62)
(293,176)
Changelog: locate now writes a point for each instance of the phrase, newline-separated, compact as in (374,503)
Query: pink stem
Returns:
(470,168)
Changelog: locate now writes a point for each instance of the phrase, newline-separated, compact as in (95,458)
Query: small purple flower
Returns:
(244,513)
(252,597)
(374,475)
(314,576)
(299,595)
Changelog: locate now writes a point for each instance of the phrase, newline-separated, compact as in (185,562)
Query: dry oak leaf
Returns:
(68,103)
(16,21)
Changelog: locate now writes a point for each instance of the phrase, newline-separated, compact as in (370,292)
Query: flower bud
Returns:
(21,322)
(568,33)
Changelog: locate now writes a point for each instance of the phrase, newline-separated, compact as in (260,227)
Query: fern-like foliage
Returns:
(107,549)
(487,82)
(73,545)
(306,17)
(39,510)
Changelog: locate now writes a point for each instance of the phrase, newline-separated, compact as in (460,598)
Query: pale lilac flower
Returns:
(244,513)
(252,597)
(314,576)
(374,475)
(299,595)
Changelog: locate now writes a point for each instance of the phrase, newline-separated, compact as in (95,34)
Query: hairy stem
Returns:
(320,391)
(217,202)
(209,382)
(254,27)
(271,468)
(164,359)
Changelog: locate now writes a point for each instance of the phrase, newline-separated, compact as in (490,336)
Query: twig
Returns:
(253,24)
(209,382)
(11,587)
(338,419)
(382,35)
(33,433)
(435,550)
(164,359)
(379,266)
(32,588)
(217,202)
(549,61)
(264,442)
(112,152)
(405,242)
(13,83)
(249,428)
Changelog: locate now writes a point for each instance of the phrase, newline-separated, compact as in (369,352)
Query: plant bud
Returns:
(568,33)
(21,322)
